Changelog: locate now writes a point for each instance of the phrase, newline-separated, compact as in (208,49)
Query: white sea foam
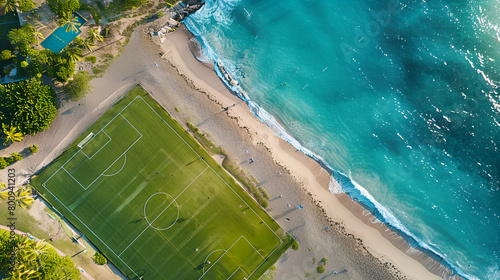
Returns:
(339,182)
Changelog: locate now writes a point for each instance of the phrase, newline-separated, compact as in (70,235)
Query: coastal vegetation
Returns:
(34,149)
(11,5)
(79,86)
(99,259)
(34,259)
(320,269)
(28,106)
(6,161)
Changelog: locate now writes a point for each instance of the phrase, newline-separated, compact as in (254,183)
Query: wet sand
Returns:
(368,251)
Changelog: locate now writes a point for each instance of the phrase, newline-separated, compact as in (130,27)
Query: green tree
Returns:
(23,38)
(28,105)
(12,134)
(24,197)
(65,71)
(78,42)
(93,35)
(10,5)
(88,44)
(38,36)
(73,54)
(26,5)
(5,55)
(64,8)
(79,86)
(16,157)
(34,260)
(23,272)
(99,259)
(132,4)
(34,149)
(320,269)
(71,23)
(3,163)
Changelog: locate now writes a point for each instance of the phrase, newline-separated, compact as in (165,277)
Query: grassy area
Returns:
(155,203)
(246,180)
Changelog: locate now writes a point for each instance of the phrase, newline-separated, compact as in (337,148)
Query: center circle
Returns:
(161,211)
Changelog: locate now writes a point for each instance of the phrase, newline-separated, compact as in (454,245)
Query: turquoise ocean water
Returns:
(399,99)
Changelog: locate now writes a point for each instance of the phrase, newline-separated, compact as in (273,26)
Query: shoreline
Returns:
(384,243)
(201,101)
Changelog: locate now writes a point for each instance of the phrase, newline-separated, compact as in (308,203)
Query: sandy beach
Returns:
(366,250)
(348,217)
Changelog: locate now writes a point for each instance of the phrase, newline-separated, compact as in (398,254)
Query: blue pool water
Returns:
(59,39)
(399,99)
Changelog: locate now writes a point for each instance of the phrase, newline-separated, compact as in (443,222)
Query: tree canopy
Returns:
(11,5)
(54,65)
(79,86)
(64,8)
(27,105)
(24,37)
(34,260)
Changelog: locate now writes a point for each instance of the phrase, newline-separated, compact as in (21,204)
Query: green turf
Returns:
(147,195)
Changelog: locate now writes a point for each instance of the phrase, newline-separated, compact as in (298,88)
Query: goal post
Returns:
(86,140)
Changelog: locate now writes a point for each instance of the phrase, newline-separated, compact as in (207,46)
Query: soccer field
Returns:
(155,203)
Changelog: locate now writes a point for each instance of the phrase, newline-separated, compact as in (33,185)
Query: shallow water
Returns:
(401,97)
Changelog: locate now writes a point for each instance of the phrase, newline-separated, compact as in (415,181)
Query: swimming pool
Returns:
(59,39)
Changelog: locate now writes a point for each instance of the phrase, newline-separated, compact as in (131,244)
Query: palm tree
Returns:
(31,251)
(71,23)
(38,36)
(93,35)
(22,272)
(10,5)
(88,44)
(74,54)
(12,134)
(24,197)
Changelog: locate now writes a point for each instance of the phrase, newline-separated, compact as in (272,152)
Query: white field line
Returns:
(254,248)
(183,140)
(109,140)
(164,210)
(92,135)
(246,204)
(116,158)
(220,257)
(72,177)
(279,238)
(97,132)
(124,163)
(211,168)
(239,268)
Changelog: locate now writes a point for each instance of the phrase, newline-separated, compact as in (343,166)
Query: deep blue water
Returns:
(400,97)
